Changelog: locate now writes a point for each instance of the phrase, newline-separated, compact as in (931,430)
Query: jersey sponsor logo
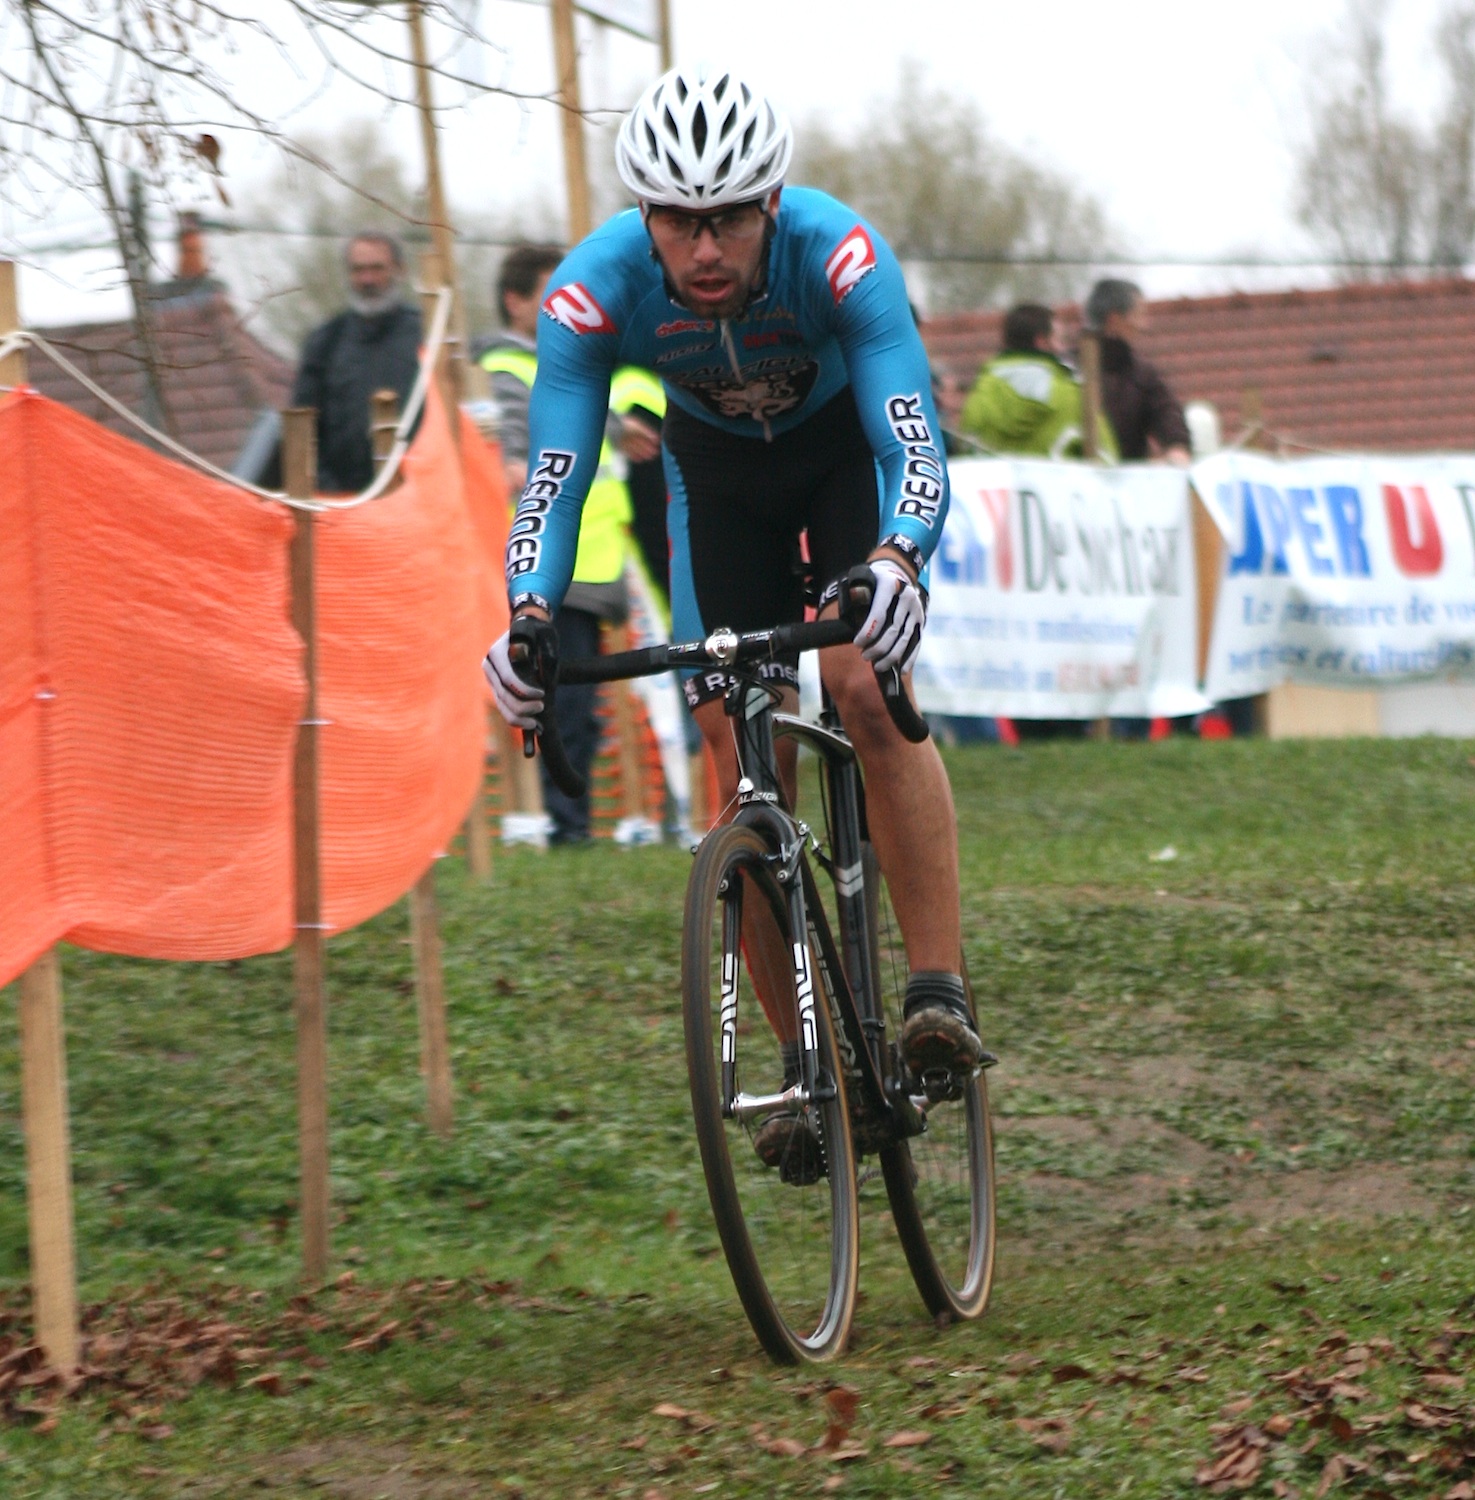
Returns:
(854,259)
(684,325)
(544,486)
(767,388)
(574,306)
(703,346)
(924,479)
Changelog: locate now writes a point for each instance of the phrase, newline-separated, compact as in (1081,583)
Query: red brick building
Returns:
(1386,366)
(217,380)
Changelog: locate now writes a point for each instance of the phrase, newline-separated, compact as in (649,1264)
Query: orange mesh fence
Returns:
(405,613)
(150,688)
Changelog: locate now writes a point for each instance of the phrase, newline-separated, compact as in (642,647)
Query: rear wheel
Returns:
(941,1182)
(791,1236)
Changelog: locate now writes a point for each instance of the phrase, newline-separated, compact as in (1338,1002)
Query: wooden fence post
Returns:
(43,1052)
(575,168)
(43,1079)
(450,372)
(1208,563)
(13,366)
(1091,395)
(430,993)
(299,470)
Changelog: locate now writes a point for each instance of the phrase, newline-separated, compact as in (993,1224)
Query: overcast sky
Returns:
(1179,115)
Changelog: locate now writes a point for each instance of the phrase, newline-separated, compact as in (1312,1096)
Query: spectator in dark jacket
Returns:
(373,345)
(1143,412)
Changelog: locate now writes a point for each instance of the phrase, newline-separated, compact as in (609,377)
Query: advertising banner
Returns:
(1062,591)
(1352,572)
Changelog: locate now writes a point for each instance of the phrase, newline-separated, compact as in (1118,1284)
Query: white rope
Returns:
(26,338)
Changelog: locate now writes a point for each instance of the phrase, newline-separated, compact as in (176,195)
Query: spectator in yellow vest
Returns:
(632,437)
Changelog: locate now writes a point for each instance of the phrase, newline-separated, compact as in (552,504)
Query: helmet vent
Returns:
(699,129)
(674,169)
(652,145)
(681,89)
(723,168)
(748,136)
(721,87)
(729,121)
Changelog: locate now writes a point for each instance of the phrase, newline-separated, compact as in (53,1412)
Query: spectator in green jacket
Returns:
(1027,399)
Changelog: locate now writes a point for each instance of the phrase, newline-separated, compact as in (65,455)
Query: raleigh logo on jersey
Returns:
(525,538)
(925,480)
(574,306)
(684,325)
(854,259)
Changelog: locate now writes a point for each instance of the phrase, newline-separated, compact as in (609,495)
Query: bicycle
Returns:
(791,1233)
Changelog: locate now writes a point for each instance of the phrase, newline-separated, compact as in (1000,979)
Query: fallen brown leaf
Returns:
(784,1447)
(371,1343)
(908,1440)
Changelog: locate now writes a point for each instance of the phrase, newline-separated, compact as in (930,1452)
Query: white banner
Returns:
(1354,572)
(1062,591)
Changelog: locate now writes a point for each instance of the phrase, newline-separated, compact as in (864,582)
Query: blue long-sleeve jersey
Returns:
(834,312)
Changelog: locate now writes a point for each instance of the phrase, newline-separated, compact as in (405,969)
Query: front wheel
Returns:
(941,1182)
(790,1230)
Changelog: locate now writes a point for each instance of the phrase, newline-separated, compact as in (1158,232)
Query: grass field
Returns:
(1236,1112)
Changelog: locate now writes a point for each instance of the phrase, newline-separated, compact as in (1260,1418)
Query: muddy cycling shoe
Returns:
(788,1140)
(791,1143)
(937,1035)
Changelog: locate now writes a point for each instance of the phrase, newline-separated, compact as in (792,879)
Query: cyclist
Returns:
(799,400)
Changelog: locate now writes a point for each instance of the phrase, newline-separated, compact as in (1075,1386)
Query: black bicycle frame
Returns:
(848,978)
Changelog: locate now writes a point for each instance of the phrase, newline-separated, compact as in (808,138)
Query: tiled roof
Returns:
(1390,365)
(216,377)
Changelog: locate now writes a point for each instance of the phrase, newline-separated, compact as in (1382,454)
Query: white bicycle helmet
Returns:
(703,138)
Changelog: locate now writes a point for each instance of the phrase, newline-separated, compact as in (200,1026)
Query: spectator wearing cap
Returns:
(372,345)
(1028,399)
(1144,414)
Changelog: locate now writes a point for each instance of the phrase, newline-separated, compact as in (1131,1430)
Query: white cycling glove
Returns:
(519,702)
(893,629)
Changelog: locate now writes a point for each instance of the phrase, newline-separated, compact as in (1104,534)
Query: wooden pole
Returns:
(430,992)
(470,380)
(43,1052)
(1100,729)
(627,729)
(43,1062)
(1208,563)
(1091,395)
(575,169)
(13,366)
(299,469)
(478,836)
(664,13)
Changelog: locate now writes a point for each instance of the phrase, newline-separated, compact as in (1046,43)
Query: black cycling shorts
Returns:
(737,508)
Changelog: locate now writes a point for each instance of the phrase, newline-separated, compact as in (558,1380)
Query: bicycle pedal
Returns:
(940,1084)
(987,1061)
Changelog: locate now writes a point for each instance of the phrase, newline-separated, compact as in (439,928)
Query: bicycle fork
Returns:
(760,804)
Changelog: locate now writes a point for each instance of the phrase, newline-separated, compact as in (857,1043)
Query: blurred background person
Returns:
(1145,415)
(1027,399)
(372,345)
(632,445)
